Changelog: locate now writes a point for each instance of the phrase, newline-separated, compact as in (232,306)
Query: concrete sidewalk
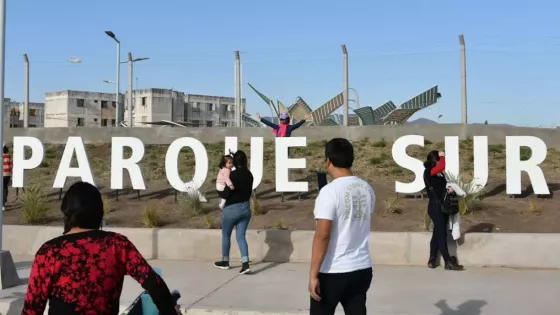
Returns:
(282,289)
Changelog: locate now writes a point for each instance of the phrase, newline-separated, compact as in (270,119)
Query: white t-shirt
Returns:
(348,202)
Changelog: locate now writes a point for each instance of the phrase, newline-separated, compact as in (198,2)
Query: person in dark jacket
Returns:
(284,129)
(436,185)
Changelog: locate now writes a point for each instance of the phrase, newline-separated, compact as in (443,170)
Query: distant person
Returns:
(237,212)
(284,129)
(6,173)
(436,185)
(341,266)
(82,271)
(223,180)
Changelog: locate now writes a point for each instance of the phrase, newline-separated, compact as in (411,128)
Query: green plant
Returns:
(380,144)
(278,225)
(210,222)
(496,149)
(108,204)
(525,153)
(394,205)
(34,206)
(427,142)
(192,204)
(255,206)
(474,193)
(376,160)
(534,207)
(150,217)
(396,170)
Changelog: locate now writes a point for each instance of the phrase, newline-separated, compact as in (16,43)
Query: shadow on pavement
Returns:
(470,307)
(280,249)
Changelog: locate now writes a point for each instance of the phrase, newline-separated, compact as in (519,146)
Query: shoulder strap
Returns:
(430,188)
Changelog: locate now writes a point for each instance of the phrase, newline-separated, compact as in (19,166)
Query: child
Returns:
(226,164)
(6,173)
(284,129)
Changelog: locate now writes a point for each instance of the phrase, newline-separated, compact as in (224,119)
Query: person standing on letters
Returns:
(341,266)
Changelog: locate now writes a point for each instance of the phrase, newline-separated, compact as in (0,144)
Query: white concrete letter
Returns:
(73,144)
(256,159)
(480,148)
(404,160)
(284,163)
(514,165)
(20,163)
(200,161)
(118,163)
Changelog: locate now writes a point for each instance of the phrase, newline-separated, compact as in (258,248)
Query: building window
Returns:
(80,102)
(113,123)
(144,119)
(32,112)
(103,104)
(114,104)
(80,122)
(209,123)
(104,122)
(32,126)
(95,101)
(209,107)
(95,120)
(195,105)
(144,100)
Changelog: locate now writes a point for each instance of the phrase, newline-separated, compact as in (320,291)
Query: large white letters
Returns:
(256,159)
(200,161)
(20,163)
(118,163)
(480,148)
(73,144)
(514,165)
(284,163)
(404,160)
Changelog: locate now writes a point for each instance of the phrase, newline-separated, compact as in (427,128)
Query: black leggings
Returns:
(439,234)
(349,289)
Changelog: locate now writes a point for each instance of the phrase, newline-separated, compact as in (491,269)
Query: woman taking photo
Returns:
(237,212)
(436,185)
(82,271)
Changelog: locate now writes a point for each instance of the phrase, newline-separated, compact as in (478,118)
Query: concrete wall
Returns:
(387,248)
(165,135)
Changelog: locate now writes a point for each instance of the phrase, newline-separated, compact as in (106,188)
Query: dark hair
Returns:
(82,207)
(240,159)
(5,149)
(340,153)
(432,158)
(224,161)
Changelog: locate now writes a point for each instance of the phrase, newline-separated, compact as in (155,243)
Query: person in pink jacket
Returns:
(222,180)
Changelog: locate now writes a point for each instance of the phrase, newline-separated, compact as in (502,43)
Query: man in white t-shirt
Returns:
(341,268)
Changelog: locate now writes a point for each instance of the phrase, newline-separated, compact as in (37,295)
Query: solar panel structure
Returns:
(281,107)
(423,100)
(328,122)
(265,98)
(399,116)
(366,115)
(327,109)
(383,111)
(299,110)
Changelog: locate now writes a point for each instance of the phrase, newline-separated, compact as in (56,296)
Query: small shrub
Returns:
(496,149)
(255,206)
(393,205)
(210,222)
(150,217)
(380,144)
(473,200)
(376,160)
(427,142)
(192,204)
(396,171)
(34,206)
(525,153)
(44,164)
(108,204)
(278,225)
(534,207)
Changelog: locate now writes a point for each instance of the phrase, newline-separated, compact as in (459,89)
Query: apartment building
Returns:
(79,109)
(210,111)
(153,105)
(13,114)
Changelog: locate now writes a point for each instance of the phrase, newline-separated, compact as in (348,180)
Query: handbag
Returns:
(450,203)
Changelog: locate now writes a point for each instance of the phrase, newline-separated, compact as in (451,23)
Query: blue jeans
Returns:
(236,215)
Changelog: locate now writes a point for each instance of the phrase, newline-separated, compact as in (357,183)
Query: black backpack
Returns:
(450,203)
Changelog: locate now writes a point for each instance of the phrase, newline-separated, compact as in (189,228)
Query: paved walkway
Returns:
(282,289)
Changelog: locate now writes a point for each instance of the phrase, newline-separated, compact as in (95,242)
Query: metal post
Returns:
(26,92)
(130,78)
(464,119)
(345,79)
(237,89)
(118,95)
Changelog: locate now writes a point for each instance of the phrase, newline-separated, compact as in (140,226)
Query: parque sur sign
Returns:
(75,145)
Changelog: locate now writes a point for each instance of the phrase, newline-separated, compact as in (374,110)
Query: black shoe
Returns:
(244,268)
(432,263)
(452,265)
(454,260)
(222,265)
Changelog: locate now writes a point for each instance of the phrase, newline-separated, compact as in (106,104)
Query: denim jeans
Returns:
(236,216)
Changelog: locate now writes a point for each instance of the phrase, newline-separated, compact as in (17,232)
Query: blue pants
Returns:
(236,216)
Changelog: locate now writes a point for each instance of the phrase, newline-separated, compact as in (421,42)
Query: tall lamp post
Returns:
(118,94)
(26,91)
(8,272)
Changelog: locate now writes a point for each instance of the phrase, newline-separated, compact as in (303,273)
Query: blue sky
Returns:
(290,48)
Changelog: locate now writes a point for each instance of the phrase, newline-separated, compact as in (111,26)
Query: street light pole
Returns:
(464,119)
(238,116)
(130,83)
(26,92)
(118,94)
(345,79)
